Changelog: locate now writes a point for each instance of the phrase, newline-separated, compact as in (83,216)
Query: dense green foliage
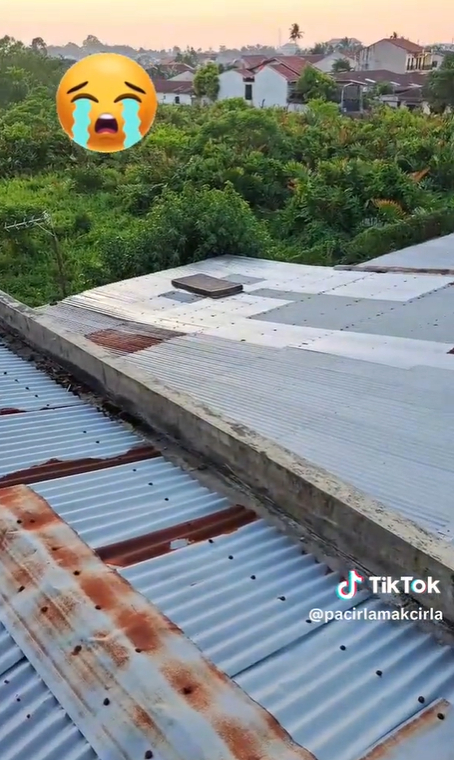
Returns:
(315,187)
(439,89)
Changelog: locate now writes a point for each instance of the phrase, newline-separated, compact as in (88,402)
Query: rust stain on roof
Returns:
(101,644)
(424,721)
(56,468)
(8,410)
(160,542)
(124,342)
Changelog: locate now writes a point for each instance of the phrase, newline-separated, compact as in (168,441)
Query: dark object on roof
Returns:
(204,285)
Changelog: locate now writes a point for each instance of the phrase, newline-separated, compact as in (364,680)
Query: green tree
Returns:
(206,82)
(341,64)
(320,48)
(39,46)
(315,85)
(439,88)
(295,33)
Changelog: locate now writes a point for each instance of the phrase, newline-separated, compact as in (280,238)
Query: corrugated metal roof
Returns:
(388,318)
(73,434)
(32,723)
(113,505)
(434,254)
(427,318)
(386,430)
(24,388)
(138,686)
(338,688)
(243,595)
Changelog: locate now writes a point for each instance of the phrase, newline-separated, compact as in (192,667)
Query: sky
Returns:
(205,23)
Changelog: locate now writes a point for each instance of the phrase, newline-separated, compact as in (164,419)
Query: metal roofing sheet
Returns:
(111,505)
(137,686)
(32,723)
(24,388)
(386,432)
(393,287)
(434,254)
(81,432)
(337,687)
(427,319)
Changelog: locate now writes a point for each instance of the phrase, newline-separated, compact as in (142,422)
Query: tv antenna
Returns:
(45,223)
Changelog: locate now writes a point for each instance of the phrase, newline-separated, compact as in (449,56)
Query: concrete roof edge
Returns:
(347,523)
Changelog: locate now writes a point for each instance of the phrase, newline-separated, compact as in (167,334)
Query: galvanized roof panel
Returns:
(136,685)
(60,435)
(32,723)
(434,254)
(337,687)
(24,388)
(432,728)
(385,431)
(120,503)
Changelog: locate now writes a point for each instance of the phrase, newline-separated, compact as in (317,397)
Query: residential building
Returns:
(275,82)
(185,76)
(425,61)
(174,92)
(389,53)
(371,78)
(325,63)
(236,83)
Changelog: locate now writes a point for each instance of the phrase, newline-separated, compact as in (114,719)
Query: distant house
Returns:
(425,61)
(174,92)
(236,83)
(407,88)
(267,82)
(371,78)
(324,62)
(389,53)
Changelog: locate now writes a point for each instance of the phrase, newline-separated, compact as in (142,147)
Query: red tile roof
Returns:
(315,58)
(410,47)
(288,73)
(251,61)
(172,86)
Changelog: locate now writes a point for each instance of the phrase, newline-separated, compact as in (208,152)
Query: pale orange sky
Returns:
(202,23)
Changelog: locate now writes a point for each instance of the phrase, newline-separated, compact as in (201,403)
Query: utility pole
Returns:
(46,224)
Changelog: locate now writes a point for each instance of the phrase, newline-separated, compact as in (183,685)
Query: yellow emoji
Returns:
(106,102)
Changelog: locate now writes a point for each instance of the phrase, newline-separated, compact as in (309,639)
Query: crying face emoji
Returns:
(106,103)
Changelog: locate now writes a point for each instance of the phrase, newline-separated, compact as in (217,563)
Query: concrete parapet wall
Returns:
(348,524)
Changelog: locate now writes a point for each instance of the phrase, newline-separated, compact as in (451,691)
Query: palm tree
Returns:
(295,33)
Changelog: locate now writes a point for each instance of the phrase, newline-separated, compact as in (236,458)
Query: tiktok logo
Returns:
(347,589)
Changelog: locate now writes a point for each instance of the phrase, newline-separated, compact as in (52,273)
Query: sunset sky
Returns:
(202,23)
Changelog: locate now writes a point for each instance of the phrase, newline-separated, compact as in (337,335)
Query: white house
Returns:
(390,53)
(274,83)
(325,62)
(425,61)
(236,83)
(174,92)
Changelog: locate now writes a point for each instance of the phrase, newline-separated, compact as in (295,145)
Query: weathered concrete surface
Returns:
(348,523)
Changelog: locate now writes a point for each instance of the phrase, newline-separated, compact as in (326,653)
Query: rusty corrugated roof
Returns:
(139,687)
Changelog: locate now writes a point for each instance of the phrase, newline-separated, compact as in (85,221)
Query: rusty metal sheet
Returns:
(123,342)
(159,542)
(55,468)
(428,735)
(135,686)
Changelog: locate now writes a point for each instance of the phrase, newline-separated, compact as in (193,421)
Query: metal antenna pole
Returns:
(41,222)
